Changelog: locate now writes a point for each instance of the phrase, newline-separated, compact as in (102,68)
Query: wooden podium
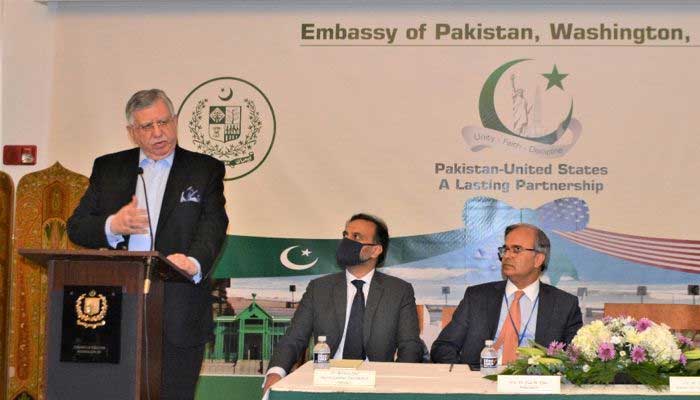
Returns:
(130,319)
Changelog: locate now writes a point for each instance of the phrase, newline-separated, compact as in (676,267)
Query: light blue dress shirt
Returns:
(155,174)
(528,311)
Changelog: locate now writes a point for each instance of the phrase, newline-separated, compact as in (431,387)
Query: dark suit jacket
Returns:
(196,229)
(390,320)
(476,320)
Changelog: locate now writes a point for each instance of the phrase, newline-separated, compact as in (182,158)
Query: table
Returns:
(435,381)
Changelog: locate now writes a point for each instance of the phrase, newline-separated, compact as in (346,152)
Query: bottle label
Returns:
(489,362)
(321,358)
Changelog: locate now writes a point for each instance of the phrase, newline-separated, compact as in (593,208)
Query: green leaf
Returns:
(693,354)
(550,361)
(693,367)
(647,374)
(602,373)
(530,351)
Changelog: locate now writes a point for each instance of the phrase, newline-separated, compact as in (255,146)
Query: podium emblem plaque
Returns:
(90,329)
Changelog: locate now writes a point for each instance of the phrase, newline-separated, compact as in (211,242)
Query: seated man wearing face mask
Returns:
(363,313)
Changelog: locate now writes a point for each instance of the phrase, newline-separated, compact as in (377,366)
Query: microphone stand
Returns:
(149,259)
(147,284)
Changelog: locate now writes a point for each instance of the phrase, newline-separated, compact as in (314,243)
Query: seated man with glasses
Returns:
(363,313)
(513,311)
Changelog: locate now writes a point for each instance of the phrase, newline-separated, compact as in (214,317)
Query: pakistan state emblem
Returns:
(229,119)
(91,309)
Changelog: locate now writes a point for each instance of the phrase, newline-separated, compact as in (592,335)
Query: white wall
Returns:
(27,48)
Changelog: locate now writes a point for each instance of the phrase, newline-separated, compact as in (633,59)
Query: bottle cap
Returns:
(321,338)
(488,342)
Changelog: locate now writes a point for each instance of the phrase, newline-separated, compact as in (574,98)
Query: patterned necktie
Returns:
(354,347)
(508,339)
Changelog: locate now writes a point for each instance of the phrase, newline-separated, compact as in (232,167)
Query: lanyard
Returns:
(510,317)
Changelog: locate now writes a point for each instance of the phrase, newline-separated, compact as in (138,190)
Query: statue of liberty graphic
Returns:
(521,111)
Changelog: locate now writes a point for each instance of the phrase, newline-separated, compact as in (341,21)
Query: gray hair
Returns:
(144,99)
(542,244)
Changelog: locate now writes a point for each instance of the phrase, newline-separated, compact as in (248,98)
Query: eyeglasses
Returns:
(515,249)
(150,127)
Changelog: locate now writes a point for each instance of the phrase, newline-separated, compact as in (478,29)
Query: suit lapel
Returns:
(130,171)
(493,306)
(376,289)
(544,309)
(340,294)
(173,187)
(127,174)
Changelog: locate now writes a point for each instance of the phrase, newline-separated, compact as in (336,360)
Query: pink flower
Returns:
(573,352)
(606,351)
(638,354)
(683,360)
(555,347)
(685,341)
(643,324)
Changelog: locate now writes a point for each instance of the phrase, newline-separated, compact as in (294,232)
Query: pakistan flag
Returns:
(255,257)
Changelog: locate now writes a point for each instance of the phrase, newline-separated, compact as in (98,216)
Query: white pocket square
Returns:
(190,195)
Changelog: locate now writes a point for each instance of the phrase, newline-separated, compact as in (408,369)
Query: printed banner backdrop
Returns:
(449,124)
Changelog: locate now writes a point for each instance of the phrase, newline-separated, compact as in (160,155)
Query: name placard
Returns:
(529,384)
(684,384)
(344,377)
(347,364)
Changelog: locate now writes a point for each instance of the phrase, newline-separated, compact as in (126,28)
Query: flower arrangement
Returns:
(613,350)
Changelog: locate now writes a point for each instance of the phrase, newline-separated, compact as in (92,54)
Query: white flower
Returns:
(659,343)
(589,338)
(632,336)
(676,354)
(533,360)
(657,340)
(586,368)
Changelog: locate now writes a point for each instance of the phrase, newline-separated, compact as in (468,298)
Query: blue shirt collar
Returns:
(167,161)
(531,291)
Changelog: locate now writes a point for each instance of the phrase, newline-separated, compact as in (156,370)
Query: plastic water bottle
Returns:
(489,359)
(322,354)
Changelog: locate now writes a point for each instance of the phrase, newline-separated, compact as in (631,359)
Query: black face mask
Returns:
(348,253)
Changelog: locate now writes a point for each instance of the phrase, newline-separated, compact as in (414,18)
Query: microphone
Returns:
(149,259)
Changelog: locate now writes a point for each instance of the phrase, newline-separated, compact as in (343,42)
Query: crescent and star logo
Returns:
(529,102)
(229,119)
(284,259)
